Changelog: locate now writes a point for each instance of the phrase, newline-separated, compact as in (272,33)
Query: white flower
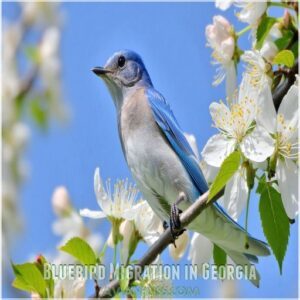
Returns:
(220,37)
(210,172)
(197,257)
(237,129)
(70,289)
(39,12)
(192,141)
(69,226)
(224,4)
(113,206)
(251,11)
(146,222)
(61,201)
(284,129)
(19,135)
(48,49)
(236,194)
(127,231)
(269,49)
(257,68)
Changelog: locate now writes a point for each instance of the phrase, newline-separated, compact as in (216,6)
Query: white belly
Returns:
(157,170)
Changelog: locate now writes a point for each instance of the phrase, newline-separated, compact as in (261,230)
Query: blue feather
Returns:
(166,120)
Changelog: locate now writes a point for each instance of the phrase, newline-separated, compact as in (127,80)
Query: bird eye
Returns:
(121,61)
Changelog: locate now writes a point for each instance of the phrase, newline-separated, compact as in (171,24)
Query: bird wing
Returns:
(167,122)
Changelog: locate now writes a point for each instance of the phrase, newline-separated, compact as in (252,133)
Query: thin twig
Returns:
(161,244)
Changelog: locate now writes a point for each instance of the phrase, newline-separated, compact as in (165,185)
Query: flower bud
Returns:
(130,240)
(61,201)
(220,38)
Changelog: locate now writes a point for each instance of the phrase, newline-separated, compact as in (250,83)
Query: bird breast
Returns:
(153,163)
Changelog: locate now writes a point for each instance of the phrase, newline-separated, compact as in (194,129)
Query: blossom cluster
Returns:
(248,122)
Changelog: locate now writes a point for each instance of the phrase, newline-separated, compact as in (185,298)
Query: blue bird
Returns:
(162,161)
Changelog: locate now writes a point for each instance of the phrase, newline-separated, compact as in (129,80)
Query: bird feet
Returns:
(175,223)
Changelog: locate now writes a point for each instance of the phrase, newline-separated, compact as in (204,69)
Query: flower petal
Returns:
(236,194)
(258,145)
(217,149)
(209,171)
(200,257)
(231,80)
(266,115)
(193,143)
(223,4)
(289,110)
(287,174)
(93,214)
(102,197)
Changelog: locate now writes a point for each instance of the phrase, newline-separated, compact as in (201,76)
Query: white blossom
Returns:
(127,231)
(69,289)
(146,222)
(236,194)
(283,127)
(61,201)
(41,13)
(196,256)
(220,37)
(224,4)
(236,124)
(257,69)
(113,205)
(251,11)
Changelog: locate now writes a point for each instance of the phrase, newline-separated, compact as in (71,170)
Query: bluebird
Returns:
(162,162)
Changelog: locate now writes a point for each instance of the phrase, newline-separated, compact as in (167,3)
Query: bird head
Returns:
(123,72)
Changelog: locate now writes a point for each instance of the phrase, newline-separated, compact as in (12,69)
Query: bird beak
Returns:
(100,71)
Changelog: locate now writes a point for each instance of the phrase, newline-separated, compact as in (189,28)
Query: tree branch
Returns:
(161,244)
(281,90)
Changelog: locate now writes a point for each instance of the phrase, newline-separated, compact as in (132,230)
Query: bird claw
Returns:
(175,223)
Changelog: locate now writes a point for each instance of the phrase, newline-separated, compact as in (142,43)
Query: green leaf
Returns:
(263,30)
(294,49)
(29,278)
(81,250)
(38,113)
(284,57)
(21,284)
(229,166)
(219,257)
(261,184)
(284,41)
(275,222)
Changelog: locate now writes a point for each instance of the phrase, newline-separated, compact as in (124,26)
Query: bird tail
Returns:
(225,232)
(245,263)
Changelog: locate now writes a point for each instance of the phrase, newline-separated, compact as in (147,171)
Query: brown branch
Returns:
(281,90)
(161,244)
